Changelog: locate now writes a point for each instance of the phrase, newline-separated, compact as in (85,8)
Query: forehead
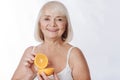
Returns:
(53,13)
(53,10)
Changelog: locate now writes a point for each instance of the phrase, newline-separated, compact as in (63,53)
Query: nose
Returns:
(53,23)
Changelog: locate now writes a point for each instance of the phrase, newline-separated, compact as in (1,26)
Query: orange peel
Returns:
(47,71)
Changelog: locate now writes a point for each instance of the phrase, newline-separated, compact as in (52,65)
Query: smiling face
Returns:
(52,23)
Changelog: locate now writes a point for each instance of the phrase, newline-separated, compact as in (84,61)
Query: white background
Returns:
(96,33)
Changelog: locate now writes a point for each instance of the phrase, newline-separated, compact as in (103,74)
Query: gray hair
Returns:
(55,5)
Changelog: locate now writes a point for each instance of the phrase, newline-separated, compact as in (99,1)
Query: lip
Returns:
(53,30)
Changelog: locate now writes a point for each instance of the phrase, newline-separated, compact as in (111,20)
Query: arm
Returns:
(25,69)
(80,69)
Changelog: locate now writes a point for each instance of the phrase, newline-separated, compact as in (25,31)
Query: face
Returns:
(52,24)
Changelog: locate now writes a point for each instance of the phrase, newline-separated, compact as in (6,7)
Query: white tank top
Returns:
(65,74)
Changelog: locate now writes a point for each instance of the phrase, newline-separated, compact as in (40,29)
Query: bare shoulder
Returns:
(79,65)
(76,53)
(77,57)
(28,49)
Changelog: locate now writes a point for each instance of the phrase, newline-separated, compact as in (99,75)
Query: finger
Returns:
(55,76)
(44,76)
(35,68)
(26,63)
(33,53)
(39,77)
(31,56)
(29,60)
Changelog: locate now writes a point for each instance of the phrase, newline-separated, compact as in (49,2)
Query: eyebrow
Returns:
(46,16)
(56,16)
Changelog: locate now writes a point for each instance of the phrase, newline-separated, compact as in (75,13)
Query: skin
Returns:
(53,25)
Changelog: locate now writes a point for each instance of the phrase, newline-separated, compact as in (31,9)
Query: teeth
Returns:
(52,30)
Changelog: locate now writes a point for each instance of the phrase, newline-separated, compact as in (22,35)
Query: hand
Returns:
(42,76)
(28,63)
(25,69)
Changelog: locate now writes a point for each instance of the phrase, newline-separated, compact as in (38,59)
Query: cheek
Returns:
(43,25)
(62,29)
(63,26)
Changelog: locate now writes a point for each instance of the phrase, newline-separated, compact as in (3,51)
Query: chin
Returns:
(53,37)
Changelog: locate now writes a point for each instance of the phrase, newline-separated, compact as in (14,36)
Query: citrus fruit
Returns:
(47,71)
(41,61)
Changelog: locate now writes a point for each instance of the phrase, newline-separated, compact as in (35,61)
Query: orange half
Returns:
(47,71)
(41,60)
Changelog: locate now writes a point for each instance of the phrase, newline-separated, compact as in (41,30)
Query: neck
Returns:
(53,43)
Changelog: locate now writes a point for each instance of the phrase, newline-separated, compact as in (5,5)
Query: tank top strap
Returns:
(68,54)
(33,49)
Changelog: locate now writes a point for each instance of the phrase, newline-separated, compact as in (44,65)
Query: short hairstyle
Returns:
(58,6)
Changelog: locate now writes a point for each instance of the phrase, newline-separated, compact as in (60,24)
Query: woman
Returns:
(53,30)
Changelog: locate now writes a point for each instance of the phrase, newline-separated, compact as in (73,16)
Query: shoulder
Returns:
(32,48)
(77,56)
(79,65)
(76,52)
(28,49)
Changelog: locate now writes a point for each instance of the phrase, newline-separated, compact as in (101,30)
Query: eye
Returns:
(59,19)
(46,19)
